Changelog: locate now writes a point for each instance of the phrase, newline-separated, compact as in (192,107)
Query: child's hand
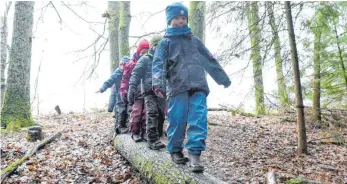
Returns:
(124,98)
(158,93)
(131,99)
(226,85)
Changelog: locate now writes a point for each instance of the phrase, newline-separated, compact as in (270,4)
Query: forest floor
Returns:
(240,149)
(82,154)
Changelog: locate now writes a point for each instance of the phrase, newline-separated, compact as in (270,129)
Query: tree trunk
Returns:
(157,166)
(4,33)
(197,18)
(282,91)
(253,23)
(16,111)
(316,78)
(124,25)
(113,23)
(302,142)
(343,68)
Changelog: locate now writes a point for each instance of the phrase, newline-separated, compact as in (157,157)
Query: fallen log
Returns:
(13,166)
(217,109)
(157,166)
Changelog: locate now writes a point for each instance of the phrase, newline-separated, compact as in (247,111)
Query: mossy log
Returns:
(157,166)
(12,167)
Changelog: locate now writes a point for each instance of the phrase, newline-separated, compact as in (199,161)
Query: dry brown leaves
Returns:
(83,154)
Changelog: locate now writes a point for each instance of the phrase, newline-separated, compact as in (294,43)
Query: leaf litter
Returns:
(240,149)
(83,154)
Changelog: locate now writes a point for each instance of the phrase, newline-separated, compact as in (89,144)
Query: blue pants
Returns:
(191,109)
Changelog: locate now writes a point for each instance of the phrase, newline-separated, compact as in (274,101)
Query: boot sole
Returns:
(181,161)
(197,169)
(156,148)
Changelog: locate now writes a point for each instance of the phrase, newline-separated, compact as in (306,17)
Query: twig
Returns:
(147,34)
(9,169)
(325,138)
(79,15)
(60,20)
(36,82)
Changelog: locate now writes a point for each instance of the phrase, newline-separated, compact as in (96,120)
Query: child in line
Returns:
(182,59)
(115,80)
(155,106)
(138,113)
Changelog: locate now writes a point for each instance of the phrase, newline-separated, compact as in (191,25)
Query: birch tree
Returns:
(16,111)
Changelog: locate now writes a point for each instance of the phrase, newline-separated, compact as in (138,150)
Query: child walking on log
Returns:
(138,113)
(155,106)
(121,107)
(182,59)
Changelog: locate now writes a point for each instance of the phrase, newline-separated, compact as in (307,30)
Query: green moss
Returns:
(13,165)
(16,112)
(115,142)
(16,123)
(294,181)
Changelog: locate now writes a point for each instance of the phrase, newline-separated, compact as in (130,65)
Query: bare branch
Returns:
(151,15)
(60,19)
(90,22)
(144,35)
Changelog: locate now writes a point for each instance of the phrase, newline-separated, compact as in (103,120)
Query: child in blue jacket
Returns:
(182,59)
(115,80)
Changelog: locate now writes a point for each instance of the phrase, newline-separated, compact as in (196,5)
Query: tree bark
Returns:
(4,34)
(254,31)
(124,26)
(113,23)
(302,142)
(16,111)
(316,78)
(282,91)
(157,166)
(196,22)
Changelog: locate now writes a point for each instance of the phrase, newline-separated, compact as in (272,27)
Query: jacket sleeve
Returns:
(211,65)
(126,77)
(159,64)
(107,84)
(137,74)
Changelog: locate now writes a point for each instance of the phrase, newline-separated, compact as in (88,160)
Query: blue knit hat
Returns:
(174,10)
(125,59)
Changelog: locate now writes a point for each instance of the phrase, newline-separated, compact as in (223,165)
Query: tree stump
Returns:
(34,133)
(57,108)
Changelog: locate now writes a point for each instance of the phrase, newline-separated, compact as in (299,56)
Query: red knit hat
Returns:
(144,44)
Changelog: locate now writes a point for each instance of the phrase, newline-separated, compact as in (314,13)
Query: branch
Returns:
(9,169)
(90,22)
(151,15)
(147,34)
(60,20)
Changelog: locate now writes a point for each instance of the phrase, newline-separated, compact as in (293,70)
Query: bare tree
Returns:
(124,26)
(4,33)
(302,142)
(197,18)
(113,23)
(254,31)
(16,111)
